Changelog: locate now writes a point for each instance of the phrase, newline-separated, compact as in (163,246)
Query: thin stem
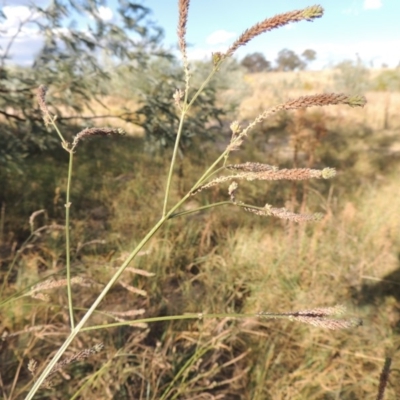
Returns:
(210,174)
(185,108)
(209,171)
(67,239)
(198,316)
(79,327)
(198,354)
(180,214)
(173,160)
(63,141)
(204,84)
(101,296)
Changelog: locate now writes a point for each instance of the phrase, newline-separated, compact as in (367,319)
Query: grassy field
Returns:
(223,261)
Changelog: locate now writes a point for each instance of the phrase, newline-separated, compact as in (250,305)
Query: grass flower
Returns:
(327,318)
(309,14)
(89,132)
(79,356)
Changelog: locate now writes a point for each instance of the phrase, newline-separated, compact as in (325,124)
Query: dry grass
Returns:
(249,269)
(223,261)
(266,88)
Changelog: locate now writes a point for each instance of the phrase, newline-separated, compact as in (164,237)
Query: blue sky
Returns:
(369,28)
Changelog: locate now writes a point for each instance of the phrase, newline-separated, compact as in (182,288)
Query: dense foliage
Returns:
(77,62)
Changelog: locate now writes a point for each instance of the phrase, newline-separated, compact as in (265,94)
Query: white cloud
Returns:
(15,15)
(376,52)
(220,36)
(200,53)
(372,4)
(23,48)
(17,31)
(105,13)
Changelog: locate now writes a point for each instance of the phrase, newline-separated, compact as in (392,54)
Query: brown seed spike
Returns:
(252,167)
(96,132)
(81,355)
(183,14)
(277,21)
(41,98)
(321,100)
(283,213)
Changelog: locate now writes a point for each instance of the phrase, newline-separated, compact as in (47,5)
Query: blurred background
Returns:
(116,64)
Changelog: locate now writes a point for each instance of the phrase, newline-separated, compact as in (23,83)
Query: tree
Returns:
(352,76)
(309,55)
(256,62)
(68,63)
(288,60)
(76,61)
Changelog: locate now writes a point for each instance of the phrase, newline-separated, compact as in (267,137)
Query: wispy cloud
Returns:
(19,36)
(373,53)
(217,41)
(201,53)
(15,17)
(219,37)
(105,13)
(372,4)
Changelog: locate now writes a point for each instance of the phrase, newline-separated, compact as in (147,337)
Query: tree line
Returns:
(287,60)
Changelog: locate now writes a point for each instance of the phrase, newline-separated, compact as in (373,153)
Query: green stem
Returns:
(182,317)
(171,318)
(173,160)
(53,122)
(84,319)
(150,234)
(203,85)
(185,109)
(67,240)
(189,363)
(180,214)
(209,172)
(101,296)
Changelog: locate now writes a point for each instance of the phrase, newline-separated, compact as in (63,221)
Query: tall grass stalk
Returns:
(317,317)
(51,120)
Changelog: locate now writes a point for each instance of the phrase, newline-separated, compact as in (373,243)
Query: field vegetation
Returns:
(223,265)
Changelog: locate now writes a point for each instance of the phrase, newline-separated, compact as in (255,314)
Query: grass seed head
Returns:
(232,190)
(41,98)
(252,167)
(81,355)
(183,16)
(309,14)
(96,132)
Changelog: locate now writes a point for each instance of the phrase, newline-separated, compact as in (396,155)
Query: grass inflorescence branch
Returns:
(183,16)
(265,172)
(79,356)
(308,14)
(281,213)
(250,171)
(90,132)
(328,317)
